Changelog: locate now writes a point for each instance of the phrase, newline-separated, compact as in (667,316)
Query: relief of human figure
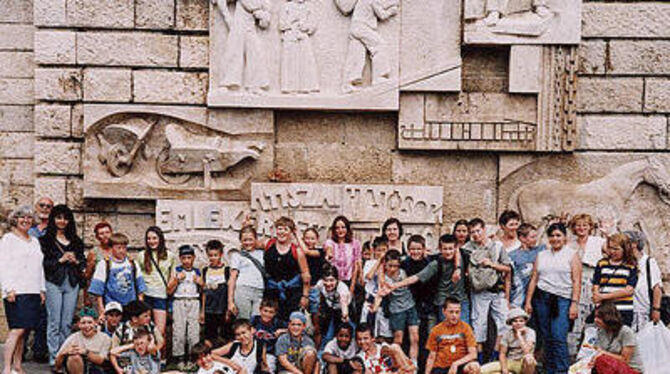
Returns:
(244,57)
(299,73)
(364,38)
(495,10)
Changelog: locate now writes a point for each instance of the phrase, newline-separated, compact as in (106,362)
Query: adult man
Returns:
(452,344)
(645,310)
(42,209)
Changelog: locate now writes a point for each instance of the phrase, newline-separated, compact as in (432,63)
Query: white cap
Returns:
(113,305)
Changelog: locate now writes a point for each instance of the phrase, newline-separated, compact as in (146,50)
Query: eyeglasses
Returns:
(45,205)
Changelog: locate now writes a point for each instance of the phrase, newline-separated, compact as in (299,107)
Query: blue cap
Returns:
(298,315)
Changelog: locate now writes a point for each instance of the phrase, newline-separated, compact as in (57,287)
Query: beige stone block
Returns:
(657,95)
(53,187)
(16,37)
(16,118)
(136,206)
(74,193)
(154,14)
(95,13)
(126,49)
(78,121)
(52,120)
(55,47)
(622,132)
(134,225)
(194,52)
(626,19)
(592,57)
(16,91)
(58,158)
(293,160)
(310,127)
(16,11)
(16,64)
(107,84)
(241,121)
(375,130)
(58,84)
(192,15)
(152,86)
(525,69)
(49,12)
(348,164)
(640,57)
(17,171)
(609,95)
(20,195)
(16,144)
(478,199)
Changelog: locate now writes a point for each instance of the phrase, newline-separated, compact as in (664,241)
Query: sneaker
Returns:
(181,366)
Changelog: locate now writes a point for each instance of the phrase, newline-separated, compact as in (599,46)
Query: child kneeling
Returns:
(516,347)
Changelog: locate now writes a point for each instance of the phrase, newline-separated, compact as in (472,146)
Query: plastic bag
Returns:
(653,343)
(587,349)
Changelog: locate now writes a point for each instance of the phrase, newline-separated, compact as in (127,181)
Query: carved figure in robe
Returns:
(492,11)
(244,57)
(299,73)
(364,38)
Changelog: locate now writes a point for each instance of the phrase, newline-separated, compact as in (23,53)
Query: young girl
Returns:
(335,299)
(345,251)
(392,230)
(375,317)
(213,305)
(315,261)
(247,276)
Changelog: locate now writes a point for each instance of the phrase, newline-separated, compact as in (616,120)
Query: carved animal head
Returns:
(657,174)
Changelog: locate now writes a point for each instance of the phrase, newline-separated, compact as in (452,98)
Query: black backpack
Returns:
(133,271)
(260,347)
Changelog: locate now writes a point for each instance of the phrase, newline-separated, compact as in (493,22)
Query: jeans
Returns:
(553,330)
(61,303)
(482,302)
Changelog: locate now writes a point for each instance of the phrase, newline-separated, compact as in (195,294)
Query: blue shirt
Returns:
(36,233)
(522,262)
(266,333)
(119,286)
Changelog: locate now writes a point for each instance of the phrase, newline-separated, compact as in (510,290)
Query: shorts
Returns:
(156,302)
(461,369)
(513,366)
(399,321)
(24,312)
(301,357)
(90,368)
(314,300)
(344,367)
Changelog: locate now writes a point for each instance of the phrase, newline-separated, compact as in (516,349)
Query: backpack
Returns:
(260,348)
(273,241)
(133,272)
(483,278)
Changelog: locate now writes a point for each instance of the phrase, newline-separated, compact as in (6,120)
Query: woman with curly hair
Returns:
(157,265)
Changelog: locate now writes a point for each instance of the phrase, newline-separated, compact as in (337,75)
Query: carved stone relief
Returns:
(322,54)
(522,21)
(419,208)
(142,155)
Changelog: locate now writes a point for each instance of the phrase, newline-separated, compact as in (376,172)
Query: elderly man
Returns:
(42,210)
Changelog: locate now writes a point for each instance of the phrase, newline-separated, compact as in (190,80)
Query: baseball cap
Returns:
(113,305)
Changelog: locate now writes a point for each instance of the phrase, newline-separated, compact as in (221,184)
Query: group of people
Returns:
(296,303)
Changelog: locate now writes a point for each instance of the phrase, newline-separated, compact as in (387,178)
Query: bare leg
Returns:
(10,346)
(332,369)
(397,337)
(18,354)
(75,365)
(309,362)
(413,343)
(160,319)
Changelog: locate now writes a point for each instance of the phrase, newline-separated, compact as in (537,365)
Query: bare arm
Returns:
(228,362)
(354,276)
(531,289)
(508,286)
(232,283)
(222,351)
(576,274)
(471,356)
(288,366)
(503,359)
(332,359)
(172,284)
(430,362)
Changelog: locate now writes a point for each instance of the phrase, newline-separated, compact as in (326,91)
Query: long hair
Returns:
(610,316)
(70,230)
(622,240)
(162,251)
(347,238)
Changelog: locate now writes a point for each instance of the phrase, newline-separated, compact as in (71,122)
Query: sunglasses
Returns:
(45,205)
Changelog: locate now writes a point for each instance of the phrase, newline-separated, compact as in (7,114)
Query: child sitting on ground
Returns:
(295,350)
(136,355)
(246,350)
(209,363)
(379,358)
(268,328)
(516,347)
(340,351)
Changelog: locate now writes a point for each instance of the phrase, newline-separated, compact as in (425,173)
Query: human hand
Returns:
(43,297)
(345,318)
(180,276)
(232,308)
(456,276)
(528,308)
(453,369)
(597,297)
(11,296)
(573,311)
(655,316)
(485,262)
(201,318)
(304,302)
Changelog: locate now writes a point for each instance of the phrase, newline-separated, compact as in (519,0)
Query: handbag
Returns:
(665,299)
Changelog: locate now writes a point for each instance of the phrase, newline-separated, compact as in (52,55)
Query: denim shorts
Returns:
(156,302)
(399,321)
(314,300)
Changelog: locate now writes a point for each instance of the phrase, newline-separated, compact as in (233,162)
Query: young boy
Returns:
(523,260)
(380,358)
(209,363)
(184,285)
(452,344)
(85,351)
(340,351)
(489,265)
(268,328)
(139,314)
(214,302)
(377,319)
(246,351)
(117,278)
(295,350)
(113,314)
(516,347)
(137,355)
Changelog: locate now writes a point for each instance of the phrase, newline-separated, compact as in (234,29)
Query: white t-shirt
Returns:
(370,284)
(248,361)
(99,343)
(216,366)
(187,288)
(593,250)
(641,302)
(377,363)
(336,298)
(248,274)
(335,350)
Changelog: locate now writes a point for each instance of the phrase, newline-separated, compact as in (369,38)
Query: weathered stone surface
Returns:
(152,86)
(293,161)
(241,121)
(107,84)
(49,12)
(373,130)
(626,19)
(525,69)
(154,14)
(78,121)
(192,15)
(16,37)
(58,158)
(95,13)
(52,120)
(509,163)
(134,225)
(54,187)
(74,193)
(640,57)
(657,95)
(16,64)
(94,113)
(126,49)
(592,57)
(136,206)
(622,132)
(610,95)
(16,118)
(16,91)
(58,84)
(55,47)
(194,52)
(16,144)
(350,164)
(17,171)
(485,69)
(16,11)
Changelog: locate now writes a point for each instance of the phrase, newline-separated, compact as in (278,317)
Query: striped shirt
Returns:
(611,278)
